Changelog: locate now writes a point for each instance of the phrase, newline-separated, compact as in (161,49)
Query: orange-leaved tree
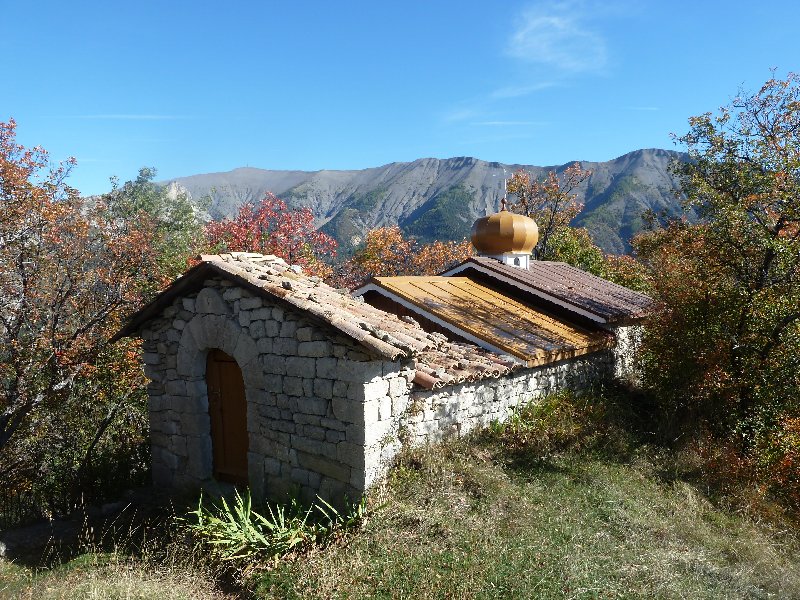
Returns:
(69,271)
(271,227)
(551,202)
(386,252)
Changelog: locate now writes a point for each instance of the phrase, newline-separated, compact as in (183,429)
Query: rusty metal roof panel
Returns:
(493,320)
(568,286)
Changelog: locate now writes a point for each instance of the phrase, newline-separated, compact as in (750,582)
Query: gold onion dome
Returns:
(504,233)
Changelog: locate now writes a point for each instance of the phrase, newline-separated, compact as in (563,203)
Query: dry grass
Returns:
(456,522)
(107,577)
(560,504)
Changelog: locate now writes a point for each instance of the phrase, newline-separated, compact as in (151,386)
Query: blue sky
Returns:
(196,87)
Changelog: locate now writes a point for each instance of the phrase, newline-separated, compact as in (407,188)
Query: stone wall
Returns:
(423,416)
(323,417)
(308,390)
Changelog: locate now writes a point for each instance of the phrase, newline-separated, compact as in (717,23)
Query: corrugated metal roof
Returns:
(491,319)
(568,286)
(438,361)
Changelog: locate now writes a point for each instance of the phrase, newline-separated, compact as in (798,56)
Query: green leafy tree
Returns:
(174,221)
(726,350)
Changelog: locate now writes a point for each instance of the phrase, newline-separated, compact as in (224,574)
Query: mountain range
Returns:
(433,198)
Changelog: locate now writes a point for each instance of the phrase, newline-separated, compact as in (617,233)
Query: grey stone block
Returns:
(323,388)
(299,366)
(314,349)
(326,368)
(347,410)
(250,303)
(324,466)
(257,331)
(304,334)
(261,314)
(285,346)
(272,328)
(210,301)
(293,386)
(315,406)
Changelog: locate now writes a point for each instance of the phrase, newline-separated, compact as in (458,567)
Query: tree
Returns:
(69,271)
(174,223)
(727,346)
(551,202)
(270,227)
(385,252)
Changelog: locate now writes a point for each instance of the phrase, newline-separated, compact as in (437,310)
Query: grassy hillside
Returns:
(564,502)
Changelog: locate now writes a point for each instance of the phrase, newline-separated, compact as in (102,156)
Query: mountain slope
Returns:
(440,198)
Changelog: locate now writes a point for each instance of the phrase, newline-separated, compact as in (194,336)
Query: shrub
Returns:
(235,532)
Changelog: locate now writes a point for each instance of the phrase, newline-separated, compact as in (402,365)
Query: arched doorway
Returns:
(227,408)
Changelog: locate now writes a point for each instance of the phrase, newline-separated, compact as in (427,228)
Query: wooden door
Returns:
(228,410)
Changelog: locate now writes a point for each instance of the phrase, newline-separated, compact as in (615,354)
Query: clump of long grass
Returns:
(234,532)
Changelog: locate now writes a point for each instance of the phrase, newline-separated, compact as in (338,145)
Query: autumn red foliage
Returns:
(271,227)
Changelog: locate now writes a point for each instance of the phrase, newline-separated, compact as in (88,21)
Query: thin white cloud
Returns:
(507,123)
(130,117)
(460,114)
(518,91)
(558,35)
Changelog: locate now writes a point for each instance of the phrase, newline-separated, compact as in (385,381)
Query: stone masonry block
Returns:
(250,303)
(323,388)
(274,364)
(288,329)
(324,466)
(210,301)
(347,410)
(314,349)
(261,314)
(257,331)
(304,334)
(315,406)
(293,386)
(340,388)
(376,389)
(398,386)
(285,345)
(358,371)
(299,366)
(326,368)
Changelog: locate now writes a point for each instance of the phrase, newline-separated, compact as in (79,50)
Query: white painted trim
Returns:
(371,287)
(517,284)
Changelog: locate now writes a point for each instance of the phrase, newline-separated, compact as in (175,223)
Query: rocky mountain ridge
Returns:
(440,198)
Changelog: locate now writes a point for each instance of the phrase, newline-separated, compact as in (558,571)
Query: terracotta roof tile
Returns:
(439,362)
